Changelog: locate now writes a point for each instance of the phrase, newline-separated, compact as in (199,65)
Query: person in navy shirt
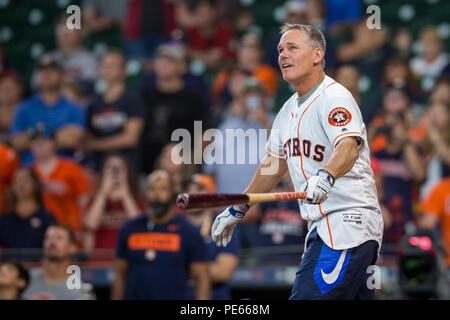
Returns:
(23,225)
(115,119)
(223,260)
(48,106)
(158,252)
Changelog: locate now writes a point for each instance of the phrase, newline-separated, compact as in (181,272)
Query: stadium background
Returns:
(27,32)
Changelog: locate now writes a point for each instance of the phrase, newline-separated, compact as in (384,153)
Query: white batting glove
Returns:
(223,226)
(318,186)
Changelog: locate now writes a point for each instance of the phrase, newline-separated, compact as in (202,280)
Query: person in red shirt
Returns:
(209,41)
(65,184)
(116,201)
(9,162)
(436,209)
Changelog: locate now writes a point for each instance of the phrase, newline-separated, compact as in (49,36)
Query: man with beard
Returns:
(50,282)
(158,252)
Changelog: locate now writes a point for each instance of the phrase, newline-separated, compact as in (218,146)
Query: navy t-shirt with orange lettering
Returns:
(159,257)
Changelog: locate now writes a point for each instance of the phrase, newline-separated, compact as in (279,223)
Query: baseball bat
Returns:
(208,200)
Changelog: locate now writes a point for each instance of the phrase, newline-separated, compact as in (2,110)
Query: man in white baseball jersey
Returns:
(319,136)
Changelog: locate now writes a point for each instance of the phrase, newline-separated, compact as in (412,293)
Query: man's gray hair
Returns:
(316,38)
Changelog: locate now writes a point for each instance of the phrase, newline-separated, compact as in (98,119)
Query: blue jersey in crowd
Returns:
(159,257)
(34,110)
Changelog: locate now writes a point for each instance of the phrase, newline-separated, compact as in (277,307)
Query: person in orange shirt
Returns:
(65,185)
(249,58)
(9,162)
(436,209)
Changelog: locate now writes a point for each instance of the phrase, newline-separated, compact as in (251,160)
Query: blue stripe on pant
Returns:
(330,274)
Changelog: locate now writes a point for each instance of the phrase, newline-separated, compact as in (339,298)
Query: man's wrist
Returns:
(239,210)
(327,175)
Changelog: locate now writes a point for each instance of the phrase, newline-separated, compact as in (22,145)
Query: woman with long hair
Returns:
(116,200)
(23,225)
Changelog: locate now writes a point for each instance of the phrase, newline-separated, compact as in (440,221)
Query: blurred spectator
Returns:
(316,11)
(65,185)
(402,43)
(116,201)
(48,106)
(296,12)
(249,113)
(249,58)
(437,144)
(11,92)
(224,260)
(398,75)
(348,76)
(368,56)
(103,15)
(193,82)
(432,59)
(441,91)
(170,104)
(243,19)
(395,101)
(73,92)
(179,173)
(23,225)
(279,222)
(158,252)
(401,166)
(341,13)
(148,24)
(209,40)
(14,279)
(79,64)
(436,212)
(9,162)
(50,281)
(115,119)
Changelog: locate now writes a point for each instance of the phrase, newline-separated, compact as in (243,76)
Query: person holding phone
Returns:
(116,201)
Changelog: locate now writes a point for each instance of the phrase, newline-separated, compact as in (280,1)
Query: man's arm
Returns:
(341,161)
(199,273)
(343,157)
(129,138)
(120,275)
(223,267)
(428,221)
(69,136)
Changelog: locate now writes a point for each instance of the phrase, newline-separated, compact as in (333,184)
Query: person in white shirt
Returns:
(320,138)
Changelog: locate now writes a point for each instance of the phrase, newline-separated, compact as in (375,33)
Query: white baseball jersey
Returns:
(305,134)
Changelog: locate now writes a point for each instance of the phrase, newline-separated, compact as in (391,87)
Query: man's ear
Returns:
(318,55)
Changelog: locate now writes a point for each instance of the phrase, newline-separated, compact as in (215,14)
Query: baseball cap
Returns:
(41,130)
(48,61)
(205,181)
(172,51)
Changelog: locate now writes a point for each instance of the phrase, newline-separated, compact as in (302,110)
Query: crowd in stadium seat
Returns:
(85,123)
